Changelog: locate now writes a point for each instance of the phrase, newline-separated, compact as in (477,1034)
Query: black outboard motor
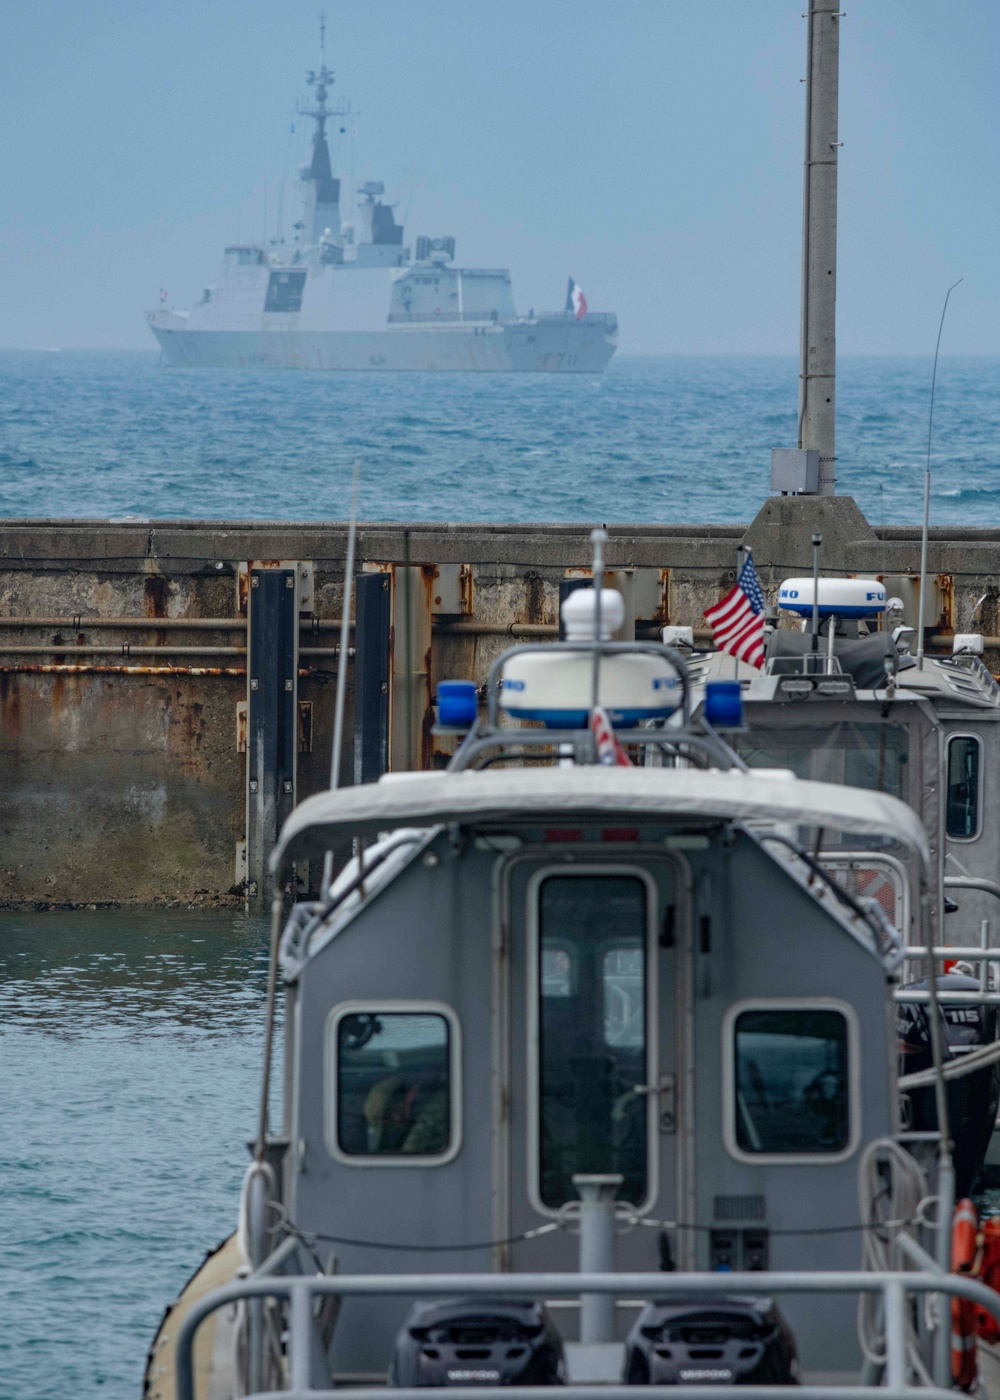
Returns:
(726,1341)
(972,1100)
(478,1341)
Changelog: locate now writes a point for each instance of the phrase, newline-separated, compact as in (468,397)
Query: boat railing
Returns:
(303,1293)
(982,958)
(589,318)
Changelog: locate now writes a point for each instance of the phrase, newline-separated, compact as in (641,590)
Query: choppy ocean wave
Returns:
(967,494)
(656,439)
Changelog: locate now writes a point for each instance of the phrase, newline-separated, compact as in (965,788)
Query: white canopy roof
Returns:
(495,796)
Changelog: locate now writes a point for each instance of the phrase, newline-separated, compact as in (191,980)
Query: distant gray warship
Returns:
(354,297)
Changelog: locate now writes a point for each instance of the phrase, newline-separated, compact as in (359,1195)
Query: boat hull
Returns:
(555,345)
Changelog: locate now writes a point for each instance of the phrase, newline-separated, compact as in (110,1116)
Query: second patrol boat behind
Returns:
(354,297)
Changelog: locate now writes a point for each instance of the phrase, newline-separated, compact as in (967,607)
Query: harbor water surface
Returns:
(130,1060)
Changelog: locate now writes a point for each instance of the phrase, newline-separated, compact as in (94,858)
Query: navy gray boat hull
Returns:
(551,344)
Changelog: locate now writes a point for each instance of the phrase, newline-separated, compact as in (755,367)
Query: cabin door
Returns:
(585,1041)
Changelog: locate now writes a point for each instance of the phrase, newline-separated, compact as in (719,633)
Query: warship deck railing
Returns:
(301,1293)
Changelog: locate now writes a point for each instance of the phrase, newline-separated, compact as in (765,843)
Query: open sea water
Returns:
(655,439)
(130,1043)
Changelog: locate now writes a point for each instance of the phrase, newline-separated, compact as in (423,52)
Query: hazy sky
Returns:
(651,148)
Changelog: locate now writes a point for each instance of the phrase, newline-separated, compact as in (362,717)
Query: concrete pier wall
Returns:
(122,770)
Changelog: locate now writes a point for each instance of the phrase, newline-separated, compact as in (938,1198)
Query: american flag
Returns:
(738,620)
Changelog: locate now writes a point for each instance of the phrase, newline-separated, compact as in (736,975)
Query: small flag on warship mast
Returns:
(575,300)
(738,620)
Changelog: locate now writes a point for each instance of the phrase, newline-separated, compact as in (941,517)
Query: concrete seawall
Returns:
(124,684)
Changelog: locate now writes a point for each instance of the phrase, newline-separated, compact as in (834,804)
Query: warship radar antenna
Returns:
(321,79)
(323,189)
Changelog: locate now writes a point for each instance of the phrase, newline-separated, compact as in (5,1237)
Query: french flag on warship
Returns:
(575,300)
(738,619)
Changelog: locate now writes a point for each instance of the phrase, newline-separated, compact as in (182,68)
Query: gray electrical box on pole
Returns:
(818,332)
(795,471)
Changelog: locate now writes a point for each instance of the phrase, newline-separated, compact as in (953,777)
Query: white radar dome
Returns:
(836,597)
(554,685)
(579,609)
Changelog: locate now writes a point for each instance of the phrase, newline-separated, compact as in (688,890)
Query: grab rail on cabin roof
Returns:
(302,1292)
(681,743)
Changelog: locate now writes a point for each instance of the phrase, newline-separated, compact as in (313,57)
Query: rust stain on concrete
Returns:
(534,597)
(10,700)
(156,595)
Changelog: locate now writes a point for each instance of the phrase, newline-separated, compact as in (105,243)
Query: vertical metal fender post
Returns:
(597,1251)
(895,1335)
(371,676)
(946,1209)
(300,1337)
(272,729)
(818,332)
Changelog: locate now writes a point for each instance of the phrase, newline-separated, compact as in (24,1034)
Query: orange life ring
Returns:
(987,1328)
(964,1249)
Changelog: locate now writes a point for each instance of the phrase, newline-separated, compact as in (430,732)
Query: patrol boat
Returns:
(840,697)
(352,296)
(590,1074)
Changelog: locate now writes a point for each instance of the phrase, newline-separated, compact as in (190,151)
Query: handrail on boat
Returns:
(628,1392)
(301,1293)
(972,882)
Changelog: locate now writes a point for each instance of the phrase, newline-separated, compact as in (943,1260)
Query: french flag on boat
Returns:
(575,300)
(738,620)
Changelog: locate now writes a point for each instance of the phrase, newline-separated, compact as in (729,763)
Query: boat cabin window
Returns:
(591,970)
(964,784)
(394,1081)
(869,755)
(792,1083)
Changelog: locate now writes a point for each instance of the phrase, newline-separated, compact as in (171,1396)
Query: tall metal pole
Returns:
(925,532)
(817,541)
(818,329)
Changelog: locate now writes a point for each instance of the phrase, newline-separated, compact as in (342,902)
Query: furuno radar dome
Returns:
(554,686)
(836,597)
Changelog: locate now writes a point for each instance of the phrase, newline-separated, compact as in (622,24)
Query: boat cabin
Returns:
(858,708)
(597,971)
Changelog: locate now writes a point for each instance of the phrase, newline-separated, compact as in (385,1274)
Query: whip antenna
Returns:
(345,625)
(927,489)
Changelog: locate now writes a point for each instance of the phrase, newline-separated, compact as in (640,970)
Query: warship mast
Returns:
(322,187)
